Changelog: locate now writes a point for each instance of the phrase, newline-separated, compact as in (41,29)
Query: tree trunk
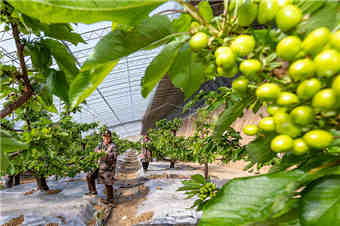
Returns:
(206,171)
(172,164)
(16,179)
(9,182)
(42,184)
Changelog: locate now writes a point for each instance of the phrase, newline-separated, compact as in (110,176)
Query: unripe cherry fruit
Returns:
(316,40)
(288,17)
(268,91)
(250,130)
(267,124)
(199,41)
(287,99)
(288,48)
(281,143)
(300,147)
(324,99)
(318,139)
(327,63)
(243,45)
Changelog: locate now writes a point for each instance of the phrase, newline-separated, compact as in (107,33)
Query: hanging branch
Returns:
(28,90)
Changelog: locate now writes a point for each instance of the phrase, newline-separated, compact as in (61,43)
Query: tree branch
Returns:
(10,129)
(28,90)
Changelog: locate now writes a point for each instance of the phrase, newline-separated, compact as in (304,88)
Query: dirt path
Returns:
(132,191)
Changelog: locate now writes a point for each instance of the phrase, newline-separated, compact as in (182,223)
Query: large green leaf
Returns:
(232,111)
(46,95)
(57,84)
(243,201)
(324,17)
(63,57)
(40,56)
(205,10)
(289,219)
(87,81)
(182,23)
(259,150)
(8,143)
(160,66)
(84,11)
(320,205)
(58,31)
(121,42)
(187,71)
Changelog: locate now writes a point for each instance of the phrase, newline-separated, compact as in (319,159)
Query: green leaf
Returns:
(63,57)
(198,178)
(40,56)
(205,10)
(247,13)
(4,163)
(160,66)
(243,201)
(46,95)
(57,84)
(324,17)
(120,43)
(289,219)
(187,71)
(309,7)
(182,23)
(65,11)
(230,114)
(58,31)
(163,41)
(9,143)
(320,205)
(259,150)
(87,81)
(48,106)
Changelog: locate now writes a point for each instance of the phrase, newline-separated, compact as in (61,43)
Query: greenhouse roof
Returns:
(117,102)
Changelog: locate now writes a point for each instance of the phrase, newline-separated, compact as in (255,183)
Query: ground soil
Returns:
(133,192)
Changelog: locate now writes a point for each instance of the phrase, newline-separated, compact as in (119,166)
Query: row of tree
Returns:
(53,147)
(202,146)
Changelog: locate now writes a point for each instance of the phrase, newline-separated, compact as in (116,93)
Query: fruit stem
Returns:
(226,4)
(196,15)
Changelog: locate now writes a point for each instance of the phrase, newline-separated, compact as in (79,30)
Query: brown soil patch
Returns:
(52,224)
(30,192)
(52,192)
(15,221)
(167,176)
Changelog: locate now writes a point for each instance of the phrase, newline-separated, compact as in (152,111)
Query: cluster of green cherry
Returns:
(208,190)
(314,65)
(286,16)
(309,88)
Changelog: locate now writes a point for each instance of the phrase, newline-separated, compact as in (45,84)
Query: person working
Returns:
(106,170)
(146,153)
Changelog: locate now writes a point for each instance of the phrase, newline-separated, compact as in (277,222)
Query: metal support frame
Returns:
(102,96)
(133,65)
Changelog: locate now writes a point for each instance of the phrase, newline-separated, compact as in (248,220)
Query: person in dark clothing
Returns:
(107,165)
(146,153)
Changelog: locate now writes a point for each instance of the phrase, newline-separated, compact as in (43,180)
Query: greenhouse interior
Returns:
(182,112)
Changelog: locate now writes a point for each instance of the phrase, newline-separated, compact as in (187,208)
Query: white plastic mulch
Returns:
(40,208)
